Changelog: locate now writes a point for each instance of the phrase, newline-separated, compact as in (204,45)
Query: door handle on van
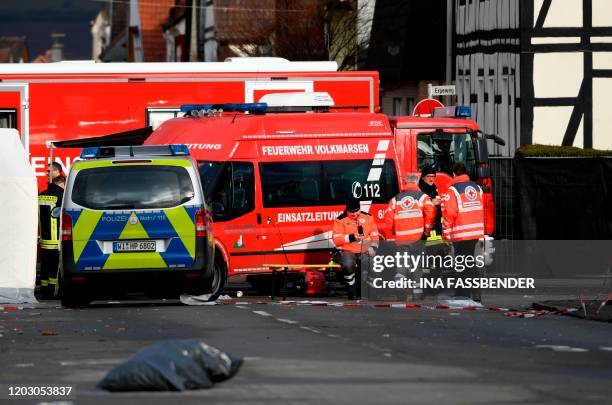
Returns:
(259,219)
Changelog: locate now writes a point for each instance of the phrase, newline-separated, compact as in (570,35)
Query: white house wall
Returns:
(536,71)
(570,52)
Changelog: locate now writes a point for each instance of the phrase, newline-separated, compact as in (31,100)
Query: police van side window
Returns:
(229,188)
(299,184)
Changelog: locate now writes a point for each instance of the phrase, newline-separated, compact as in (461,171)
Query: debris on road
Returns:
(49,333)
(203,299)
(458,303)
(596,310)
(174,365)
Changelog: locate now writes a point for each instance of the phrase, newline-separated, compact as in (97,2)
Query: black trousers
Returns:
(354,269)
(49,271)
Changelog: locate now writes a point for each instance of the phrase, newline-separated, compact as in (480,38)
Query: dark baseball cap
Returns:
(353,206)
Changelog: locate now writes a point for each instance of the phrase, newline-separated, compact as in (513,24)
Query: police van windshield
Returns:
(443,151)
(132,187)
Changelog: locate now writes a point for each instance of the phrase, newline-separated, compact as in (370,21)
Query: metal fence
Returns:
(502,173)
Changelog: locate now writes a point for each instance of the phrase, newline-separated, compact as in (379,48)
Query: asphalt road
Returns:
(314,355)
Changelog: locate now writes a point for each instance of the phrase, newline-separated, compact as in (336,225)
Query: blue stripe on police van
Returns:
(74,214)
(92,256)
(176,254)
(110,226)
(156,225)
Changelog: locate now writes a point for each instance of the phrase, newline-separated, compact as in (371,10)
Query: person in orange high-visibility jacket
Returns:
(411,214)
(463,219)
(409,218)
(355,234)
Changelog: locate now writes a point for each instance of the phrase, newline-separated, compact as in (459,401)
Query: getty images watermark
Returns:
(404,270)
(405,263)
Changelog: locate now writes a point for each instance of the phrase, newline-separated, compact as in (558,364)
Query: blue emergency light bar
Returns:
(96,152)
(90,153)
(254,108)
(456,111)
(195,107)
(463,111)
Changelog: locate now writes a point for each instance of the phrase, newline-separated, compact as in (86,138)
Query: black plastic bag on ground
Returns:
(173,365)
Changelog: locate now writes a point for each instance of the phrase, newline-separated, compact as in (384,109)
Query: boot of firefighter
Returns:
(350,280)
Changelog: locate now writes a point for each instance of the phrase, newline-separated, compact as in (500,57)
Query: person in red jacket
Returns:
(410,217)
(355,234)
(463,218)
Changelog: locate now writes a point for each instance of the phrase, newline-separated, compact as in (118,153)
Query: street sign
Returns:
(425,108)
(443,90)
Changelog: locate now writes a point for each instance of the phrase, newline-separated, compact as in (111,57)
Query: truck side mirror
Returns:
(217,208)
(495,139)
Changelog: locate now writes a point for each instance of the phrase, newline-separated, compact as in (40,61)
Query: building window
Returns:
(397,106)
(410,103)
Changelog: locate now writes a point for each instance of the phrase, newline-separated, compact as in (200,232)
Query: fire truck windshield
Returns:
(443,151)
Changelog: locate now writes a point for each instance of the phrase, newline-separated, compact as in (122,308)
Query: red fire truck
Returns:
(276,181)
(71,100)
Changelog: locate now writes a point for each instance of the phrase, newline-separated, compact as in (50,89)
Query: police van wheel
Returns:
(70,298)
(217,281)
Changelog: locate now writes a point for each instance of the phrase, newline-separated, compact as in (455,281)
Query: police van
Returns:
(134,218)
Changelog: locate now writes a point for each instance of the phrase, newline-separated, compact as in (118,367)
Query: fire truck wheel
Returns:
(218,279)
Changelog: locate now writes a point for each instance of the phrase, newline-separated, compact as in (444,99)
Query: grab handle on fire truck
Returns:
(259,219)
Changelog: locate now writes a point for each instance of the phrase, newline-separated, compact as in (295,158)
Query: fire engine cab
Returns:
(276,181)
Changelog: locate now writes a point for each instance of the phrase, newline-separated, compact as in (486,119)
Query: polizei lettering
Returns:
(297,150)
(307,216)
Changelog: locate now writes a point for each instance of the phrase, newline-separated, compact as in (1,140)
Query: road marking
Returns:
(309,329)
(376,347)
(606,348)
(241,307)
(262,313)
(563,348)
(24,365)
(289,321)
(91,362)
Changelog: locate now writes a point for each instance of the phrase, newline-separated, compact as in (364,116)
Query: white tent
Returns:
(18,221)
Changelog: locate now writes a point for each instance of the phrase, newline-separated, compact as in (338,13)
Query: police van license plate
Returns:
(134,246)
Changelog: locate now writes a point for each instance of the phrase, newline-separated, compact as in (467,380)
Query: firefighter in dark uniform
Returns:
(49,231)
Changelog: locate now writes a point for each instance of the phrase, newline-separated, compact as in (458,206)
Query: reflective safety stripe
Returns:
(54,225)
(49,246)
(350,282)
(409,232)
(349,276)
(45,199)
(408,214)
(470,226)
(44,283)
(468,209)
(52,281)
(465,234)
